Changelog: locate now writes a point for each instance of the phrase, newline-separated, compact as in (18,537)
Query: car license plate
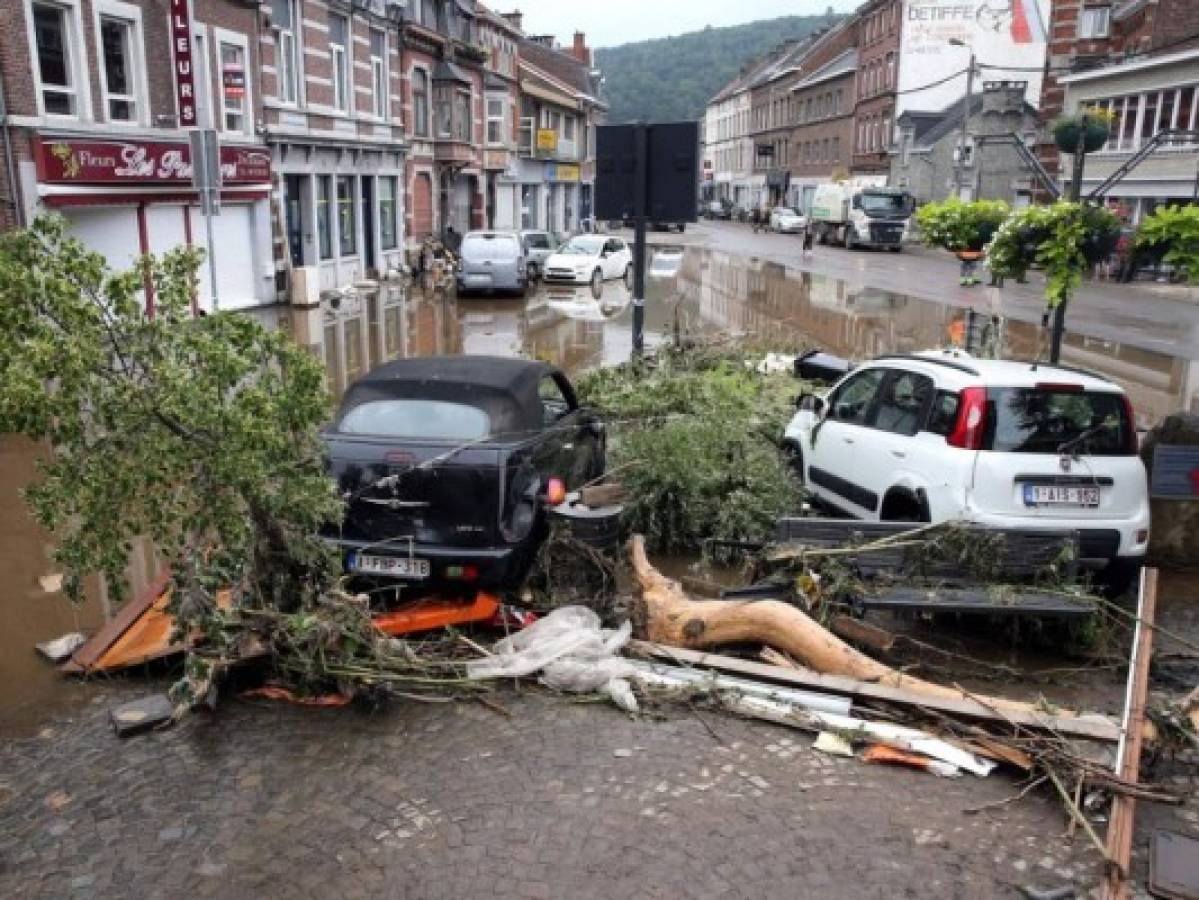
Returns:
(1054,495)
(395,566)
(478,279)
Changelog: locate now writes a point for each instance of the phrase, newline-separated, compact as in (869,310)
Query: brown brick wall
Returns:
(838,126)
(878,32)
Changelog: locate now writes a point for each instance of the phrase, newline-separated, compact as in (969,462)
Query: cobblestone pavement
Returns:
(560,799)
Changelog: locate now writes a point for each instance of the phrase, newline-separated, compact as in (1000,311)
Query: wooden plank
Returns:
(86,657)
(1094,728)
(1128,757)
(1013,601)
(877,639)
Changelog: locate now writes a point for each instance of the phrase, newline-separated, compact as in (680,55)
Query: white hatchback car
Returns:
(941,436)
(589,259)
(786,220)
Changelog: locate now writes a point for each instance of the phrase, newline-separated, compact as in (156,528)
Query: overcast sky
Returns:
(614,22)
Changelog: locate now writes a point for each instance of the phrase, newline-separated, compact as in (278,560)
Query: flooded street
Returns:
(711,292)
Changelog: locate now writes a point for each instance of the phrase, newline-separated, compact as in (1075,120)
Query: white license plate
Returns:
(395,566)
(1053,495)
(478,279)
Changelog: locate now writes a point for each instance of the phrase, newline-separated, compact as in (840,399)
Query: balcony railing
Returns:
(562,150)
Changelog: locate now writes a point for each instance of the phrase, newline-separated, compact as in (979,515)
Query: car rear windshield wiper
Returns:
(1068,446)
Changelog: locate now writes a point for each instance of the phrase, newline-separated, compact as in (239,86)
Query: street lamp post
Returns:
(960,168)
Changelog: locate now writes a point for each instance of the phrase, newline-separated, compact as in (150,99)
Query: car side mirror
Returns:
(810,403)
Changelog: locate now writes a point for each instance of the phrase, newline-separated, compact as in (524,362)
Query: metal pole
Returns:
(959,180)
(1059,311)
(216,301)
(641,190)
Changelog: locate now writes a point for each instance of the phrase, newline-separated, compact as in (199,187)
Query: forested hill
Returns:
(671,79)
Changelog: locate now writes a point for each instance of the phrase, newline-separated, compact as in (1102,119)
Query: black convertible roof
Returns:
(504,386)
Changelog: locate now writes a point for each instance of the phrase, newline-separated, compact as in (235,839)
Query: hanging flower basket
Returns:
(1067,132)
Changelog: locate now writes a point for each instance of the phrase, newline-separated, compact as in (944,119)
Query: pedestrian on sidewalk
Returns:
(969,260)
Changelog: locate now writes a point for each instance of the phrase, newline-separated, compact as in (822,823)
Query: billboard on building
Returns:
(1008,38)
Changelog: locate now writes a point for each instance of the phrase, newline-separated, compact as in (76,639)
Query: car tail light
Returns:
(1131,443)
(972,419)
(555,492)
(462,573)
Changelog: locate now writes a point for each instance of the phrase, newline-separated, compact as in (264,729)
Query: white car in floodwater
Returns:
(589,259)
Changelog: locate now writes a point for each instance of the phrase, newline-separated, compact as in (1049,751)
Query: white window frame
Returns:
(132,16)
(1087,18)
(380,77)
(502,119)
(236,39)
(292,62)
(80,87)
(342,74)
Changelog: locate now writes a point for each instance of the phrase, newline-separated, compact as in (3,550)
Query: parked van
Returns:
(492,261)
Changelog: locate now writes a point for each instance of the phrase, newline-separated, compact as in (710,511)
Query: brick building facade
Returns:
(879,24)
(92,130)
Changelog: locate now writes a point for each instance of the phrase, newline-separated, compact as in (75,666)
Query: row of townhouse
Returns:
(350,131)
(943,97)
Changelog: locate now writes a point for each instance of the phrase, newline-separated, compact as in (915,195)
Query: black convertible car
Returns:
(446,463)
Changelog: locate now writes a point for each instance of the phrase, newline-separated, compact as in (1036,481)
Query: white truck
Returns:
(856,215)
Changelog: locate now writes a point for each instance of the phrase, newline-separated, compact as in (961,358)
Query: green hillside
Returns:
(670,79)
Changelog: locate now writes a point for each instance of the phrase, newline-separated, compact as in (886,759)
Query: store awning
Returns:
(546,93)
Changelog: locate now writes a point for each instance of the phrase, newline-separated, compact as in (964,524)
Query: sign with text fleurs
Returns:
(70,161)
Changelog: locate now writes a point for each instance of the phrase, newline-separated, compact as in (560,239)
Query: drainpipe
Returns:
(10,167)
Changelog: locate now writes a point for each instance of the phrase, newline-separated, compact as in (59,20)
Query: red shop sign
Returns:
(181,61)
(141,162)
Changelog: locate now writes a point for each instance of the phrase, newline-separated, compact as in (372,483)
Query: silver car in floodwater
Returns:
(492,261)
(538,247)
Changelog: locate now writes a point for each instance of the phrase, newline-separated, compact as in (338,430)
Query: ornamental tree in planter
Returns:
(959,226)
(1065,239)
(1172,234)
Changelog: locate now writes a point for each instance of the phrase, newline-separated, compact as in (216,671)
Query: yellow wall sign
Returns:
(547,139)
(568,173)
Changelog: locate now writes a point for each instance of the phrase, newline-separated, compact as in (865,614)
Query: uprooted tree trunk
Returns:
(668,616)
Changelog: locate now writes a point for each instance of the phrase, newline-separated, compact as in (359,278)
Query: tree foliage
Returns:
(672,79)
(957,225)
(695,438)
(1174,229)
(1065,238)
(198,434)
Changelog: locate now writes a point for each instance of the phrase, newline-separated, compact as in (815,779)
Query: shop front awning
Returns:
(548,93)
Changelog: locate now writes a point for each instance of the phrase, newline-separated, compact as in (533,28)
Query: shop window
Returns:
(324,215)
(285,20)
(57,40)
(387,213)
(1095,22)
(420,102)
(339,61)
(379,92)
(347,220)
(120,61)
(234,81)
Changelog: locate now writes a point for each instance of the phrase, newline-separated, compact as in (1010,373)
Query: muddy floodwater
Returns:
(702,291)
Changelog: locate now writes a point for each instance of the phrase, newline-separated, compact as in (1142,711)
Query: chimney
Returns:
(580,50)
(1003,96)
(515,19)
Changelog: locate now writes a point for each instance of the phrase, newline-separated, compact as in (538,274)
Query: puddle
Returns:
(705,291)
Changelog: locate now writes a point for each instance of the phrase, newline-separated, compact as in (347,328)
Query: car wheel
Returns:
(531,271)
(895,249)
(1119,577)
(628,276)
(597,281)
(903,507)
(848,238)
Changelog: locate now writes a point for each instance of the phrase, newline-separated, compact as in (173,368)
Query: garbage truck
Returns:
(858,215)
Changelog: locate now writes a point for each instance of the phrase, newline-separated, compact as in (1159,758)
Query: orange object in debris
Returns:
(436,612)
(969,255)
(140,632)
(274,692)
(881,753)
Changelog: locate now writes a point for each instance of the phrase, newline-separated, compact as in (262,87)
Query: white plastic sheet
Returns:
(571,651)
